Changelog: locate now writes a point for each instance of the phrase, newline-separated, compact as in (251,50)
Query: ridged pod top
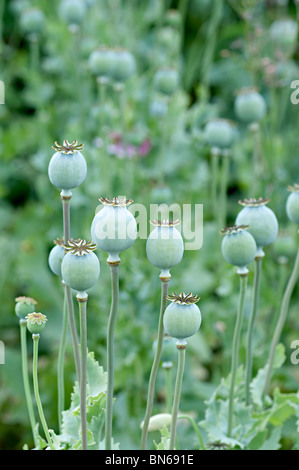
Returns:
(183,299)
(67,147)
(80,247)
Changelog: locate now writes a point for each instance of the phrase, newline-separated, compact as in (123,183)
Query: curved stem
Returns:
(177,395)
(281,321)
(35,338)
(155,366)
(256,295)
(83,367)
(235,351)
(197,431)
(70,305)
(110,352)
(60,366)
(23,331)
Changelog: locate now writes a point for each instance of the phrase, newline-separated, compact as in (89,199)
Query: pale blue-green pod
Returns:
(114,227)
(238,247)
(166,81)
(80,267)
(24,305)
(32,21)
(250,106)
(219,133)
(56,256)
(67,168)
(124,65)
(72,11)
(182,317)
(101,62)
(165,246)
(36,322)
(262,222)
(292,206)
(283,34)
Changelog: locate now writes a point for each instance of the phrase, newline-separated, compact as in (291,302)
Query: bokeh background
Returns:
(155,148)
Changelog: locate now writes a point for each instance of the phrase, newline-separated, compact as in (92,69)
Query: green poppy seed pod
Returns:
(32,21)
(283,35)
(219,133)
(56,256)
(124,65)
(166,81)
(114,228)
(293,204)
(238,247)
(182,317)
(67,167)
(24,305)
(36,322)
(80,267)
(250,106)
(165,246)
(101,62)
(72,11)
(262,222)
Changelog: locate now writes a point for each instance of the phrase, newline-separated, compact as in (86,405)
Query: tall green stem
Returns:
(235,351)
(83,367)
(168,388)
(110,352)
(223,191)
(177,393)
(156,362)
(256,295)
(281,321)
(23,331)
(66,197)
(214,180)
(35,338)
(60,366)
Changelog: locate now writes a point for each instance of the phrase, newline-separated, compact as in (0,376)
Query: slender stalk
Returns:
(110,352)
(66,197)
(168,388)
(177,393)
(193,424)
(235,351)
(23,330)
(281,321)
(60,366)
(35,338)
(223,191)
(214,180)
(156,362)
(256,295)
(83,367)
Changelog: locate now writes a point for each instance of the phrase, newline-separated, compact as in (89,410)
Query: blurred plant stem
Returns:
(2,7)
(281,322)
(168,387)
(177,394)
(66,197)
(60,367)
(35,338)
(214,180)
(258,162)
(114,271)
(249,353)
(83,368)
(155,366)
(23,331)
(34,53)
(223,196)
(235,352)
(183,8)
